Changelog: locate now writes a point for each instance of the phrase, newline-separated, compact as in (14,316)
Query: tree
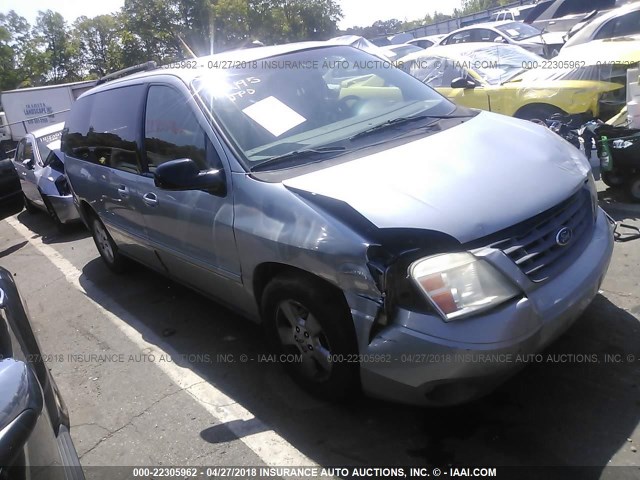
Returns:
(473,6)
(62,52)
(21,63)
(52,52)
(100,45)
(152,28)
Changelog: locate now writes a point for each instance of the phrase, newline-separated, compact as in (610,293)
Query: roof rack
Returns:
(150,65)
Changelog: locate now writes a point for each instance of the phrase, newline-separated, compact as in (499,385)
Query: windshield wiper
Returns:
(400,121)
(295,155)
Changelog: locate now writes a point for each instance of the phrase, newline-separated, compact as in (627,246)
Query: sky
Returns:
(356,12)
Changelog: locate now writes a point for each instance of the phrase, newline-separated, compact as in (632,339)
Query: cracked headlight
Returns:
(459,284)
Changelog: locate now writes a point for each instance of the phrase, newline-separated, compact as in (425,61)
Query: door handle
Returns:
(123,191)
(150,199)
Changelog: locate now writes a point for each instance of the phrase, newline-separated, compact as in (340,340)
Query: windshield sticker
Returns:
(274,116)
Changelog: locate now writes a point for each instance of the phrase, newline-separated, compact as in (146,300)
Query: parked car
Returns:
(598,60)
(508,32)
(359,43)
(34,422)
(396,52)
(426,42)
(494,78)
(40,166)
(562,15)
(516,14)
(621,22)
(364,234)
(11,200)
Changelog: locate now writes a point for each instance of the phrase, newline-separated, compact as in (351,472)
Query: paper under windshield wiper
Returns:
(297,154)
(400,121)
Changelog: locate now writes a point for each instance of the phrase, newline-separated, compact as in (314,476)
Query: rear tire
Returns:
(304,317)
(106,246)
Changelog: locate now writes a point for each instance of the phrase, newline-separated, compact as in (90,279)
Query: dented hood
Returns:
(469,181)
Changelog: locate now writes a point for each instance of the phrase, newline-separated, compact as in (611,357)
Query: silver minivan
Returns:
(388,240)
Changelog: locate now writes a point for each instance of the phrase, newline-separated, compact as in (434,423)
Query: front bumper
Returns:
(420,359)
(65,208)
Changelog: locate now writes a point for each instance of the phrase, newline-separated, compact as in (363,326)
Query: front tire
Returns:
(634,189)
(106,246)
(537,113)
(306,318)
(612,179)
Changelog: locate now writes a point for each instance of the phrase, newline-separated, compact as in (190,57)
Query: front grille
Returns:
(535,251)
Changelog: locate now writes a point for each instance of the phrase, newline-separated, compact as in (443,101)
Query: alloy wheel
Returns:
(300,332)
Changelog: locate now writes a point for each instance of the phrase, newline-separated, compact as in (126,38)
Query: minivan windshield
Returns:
(311,99)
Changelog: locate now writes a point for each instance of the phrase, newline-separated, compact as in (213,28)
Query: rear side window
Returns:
(570,7)
(103,128)
(484,35)
(172,131)
(628,24)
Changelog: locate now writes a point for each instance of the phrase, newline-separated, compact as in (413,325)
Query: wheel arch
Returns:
(529,108)
(86,212)
(267,271)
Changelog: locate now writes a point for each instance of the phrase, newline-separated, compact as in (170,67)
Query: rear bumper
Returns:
(65,208)
(420,359)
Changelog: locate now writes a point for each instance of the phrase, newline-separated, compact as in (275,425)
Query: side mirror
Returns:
(183,174)
(29,163)
(21,403)
(498,40)
(462,82)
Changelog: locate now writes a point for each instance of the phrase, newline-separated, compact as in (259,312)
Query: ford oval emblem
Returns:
(564,236)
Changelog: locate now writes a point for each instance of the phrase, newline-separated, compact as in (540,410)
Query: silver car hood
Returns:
(469,181)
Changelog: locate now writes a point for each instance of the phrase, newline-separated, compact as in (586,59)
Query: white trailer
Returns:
(28,109)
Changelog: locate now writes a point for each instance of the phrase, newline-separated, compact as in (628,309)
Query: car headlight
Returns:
(459,284)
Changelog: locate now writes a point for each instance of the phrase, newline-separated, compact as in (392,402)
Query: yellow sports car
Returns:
(495,78)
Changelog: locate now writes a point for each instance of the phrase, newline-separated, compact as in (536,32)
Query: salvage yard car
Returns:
(34,422)
(514,33)
(598,60)
(621,22)
(494,78)
(40,166)
(385,239)
(11,201)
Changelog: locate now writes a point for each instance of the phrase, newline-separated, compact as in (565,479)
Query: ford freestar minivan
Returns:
(389,239)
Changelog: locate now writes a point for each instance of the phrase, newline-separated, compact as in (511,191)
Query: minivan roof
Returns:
(233,57)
